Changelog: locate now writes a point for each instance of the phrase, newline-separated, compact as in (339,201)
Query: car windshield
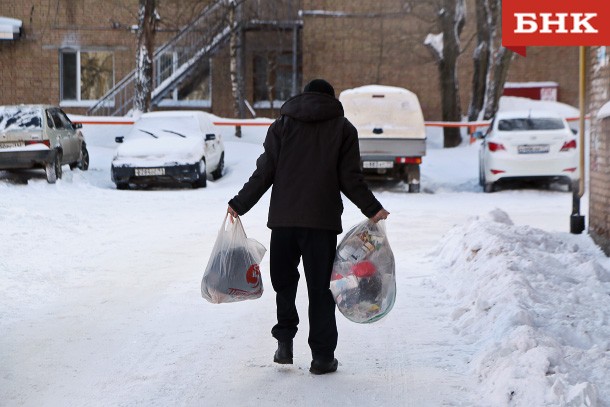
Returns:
(530,123)
(20,118)
(168,126)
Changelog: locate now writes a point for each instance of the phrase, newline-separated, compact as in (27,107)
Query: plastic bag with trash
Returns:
(233,272)
(363,280)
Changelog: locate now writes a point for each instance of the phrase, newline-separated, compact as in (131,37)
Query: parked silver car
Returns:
(42,136)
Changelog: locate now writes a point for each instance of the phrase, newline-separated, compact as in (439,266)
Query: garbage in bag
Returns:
(233,273)
(363,280)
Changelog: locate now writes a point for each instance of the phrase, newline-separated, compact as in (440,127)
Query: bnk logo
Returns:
(554,23)
(549,23)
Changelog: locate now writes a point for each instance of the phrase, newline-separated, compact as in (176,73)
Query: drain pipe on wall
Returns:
(577,221)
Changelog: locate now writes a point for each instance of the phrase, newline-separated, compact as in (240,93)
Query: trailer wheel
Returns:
(413,177)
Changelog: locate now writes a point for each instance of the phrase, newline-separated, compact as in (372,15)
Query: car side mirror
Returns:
(78,125)
(119,139)
(574,131)
(209,137)
(478,134)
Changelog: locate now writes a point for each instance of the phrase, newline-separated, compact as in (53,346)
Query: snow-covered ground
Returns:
(498,305)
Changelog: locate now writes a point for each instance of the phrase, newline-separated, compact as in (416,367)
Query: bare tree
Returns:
(480,59)
(446,48)
(497,79)
(147,18)
(236,56)
(491,61)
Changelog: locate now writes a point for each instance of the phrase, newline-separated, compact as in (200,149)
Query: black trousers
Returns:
(317,248)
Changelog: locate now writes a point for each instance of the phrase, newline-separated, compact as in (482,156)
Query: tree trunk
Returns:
(498,78)
(236,62)
(144,55)
(499,62)
(480,60)
(270,80)
(452,20)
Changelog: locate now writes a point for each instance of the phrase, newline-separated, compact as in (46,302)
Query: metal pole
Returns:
(577,221)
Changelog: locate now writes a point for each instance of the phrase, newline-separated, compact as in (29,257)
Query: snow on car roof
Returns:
(375,89)
(172,113)
(516,114)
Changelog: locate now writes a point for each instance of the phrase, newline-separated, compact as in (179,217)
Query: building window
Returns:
(272,79)
(194,90)
(86,75)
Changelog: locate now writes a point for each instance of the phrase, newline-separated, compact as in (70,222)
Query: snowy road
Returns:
(100,301)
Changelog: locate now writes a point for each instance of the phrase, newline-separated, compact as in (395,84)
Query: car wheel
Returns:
(217,173)
(489,187)
(201,180)
(414,188)
(53,169)
(83,163)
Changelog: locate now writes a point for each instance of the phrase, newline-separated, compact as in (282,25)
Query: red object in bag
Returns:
(363,269)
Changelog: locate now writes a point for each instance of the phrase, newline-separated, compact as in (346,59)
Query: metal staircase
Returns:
(189,47)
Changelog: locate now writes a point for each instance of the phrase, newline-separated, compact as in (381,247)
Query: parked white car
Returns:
(532,144)
(169,146)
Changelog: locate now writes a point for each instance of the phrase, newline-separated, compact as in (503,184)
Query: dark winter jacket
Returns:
(311,156)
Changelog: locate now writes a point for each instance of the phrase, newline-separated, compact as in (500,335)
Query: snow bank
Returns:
(535,307)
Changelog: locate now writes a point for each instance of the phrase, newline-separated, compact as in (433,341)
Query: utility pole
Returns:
(577,221)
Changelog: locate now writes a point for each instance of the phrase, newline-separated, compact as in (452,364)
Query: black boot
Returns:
(283,354)
(322,367)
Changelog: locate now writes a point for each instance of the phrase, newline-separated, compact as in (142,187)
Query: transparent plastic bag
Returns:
(363,280)
(233,273)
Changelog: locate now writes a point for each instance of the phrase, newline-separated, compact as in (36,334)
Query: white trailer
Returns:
(391,131)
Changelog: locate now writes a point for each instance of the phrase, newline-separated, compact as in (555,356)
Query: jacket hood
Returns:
(312,107)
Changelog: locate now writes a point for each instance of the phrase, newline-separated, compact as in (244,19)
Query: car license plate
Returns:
(146,172)
(377,164)
(12,144)
(533,148)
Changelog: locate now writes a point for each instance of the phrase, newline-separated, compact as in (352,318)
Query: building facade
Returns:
(71,52)
(599,110)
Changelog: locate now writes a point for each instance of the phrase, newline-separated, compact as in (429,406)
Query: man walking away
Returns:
(311,156)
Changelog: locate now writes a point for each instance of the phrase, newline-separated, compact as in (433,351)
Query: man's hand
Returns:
(232,212)
(382,214)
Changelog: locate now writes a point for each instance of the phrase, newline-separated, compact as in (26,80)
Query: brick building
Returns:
(359,42)
(599,98)
(73,51)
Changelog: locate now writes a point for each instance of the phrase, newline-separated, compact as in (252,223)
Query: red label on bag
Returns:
(253,275)
(554,23)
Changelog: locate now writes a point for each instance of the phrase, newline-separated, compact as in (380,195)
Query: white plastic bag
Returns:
(233,273)
(363,280)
